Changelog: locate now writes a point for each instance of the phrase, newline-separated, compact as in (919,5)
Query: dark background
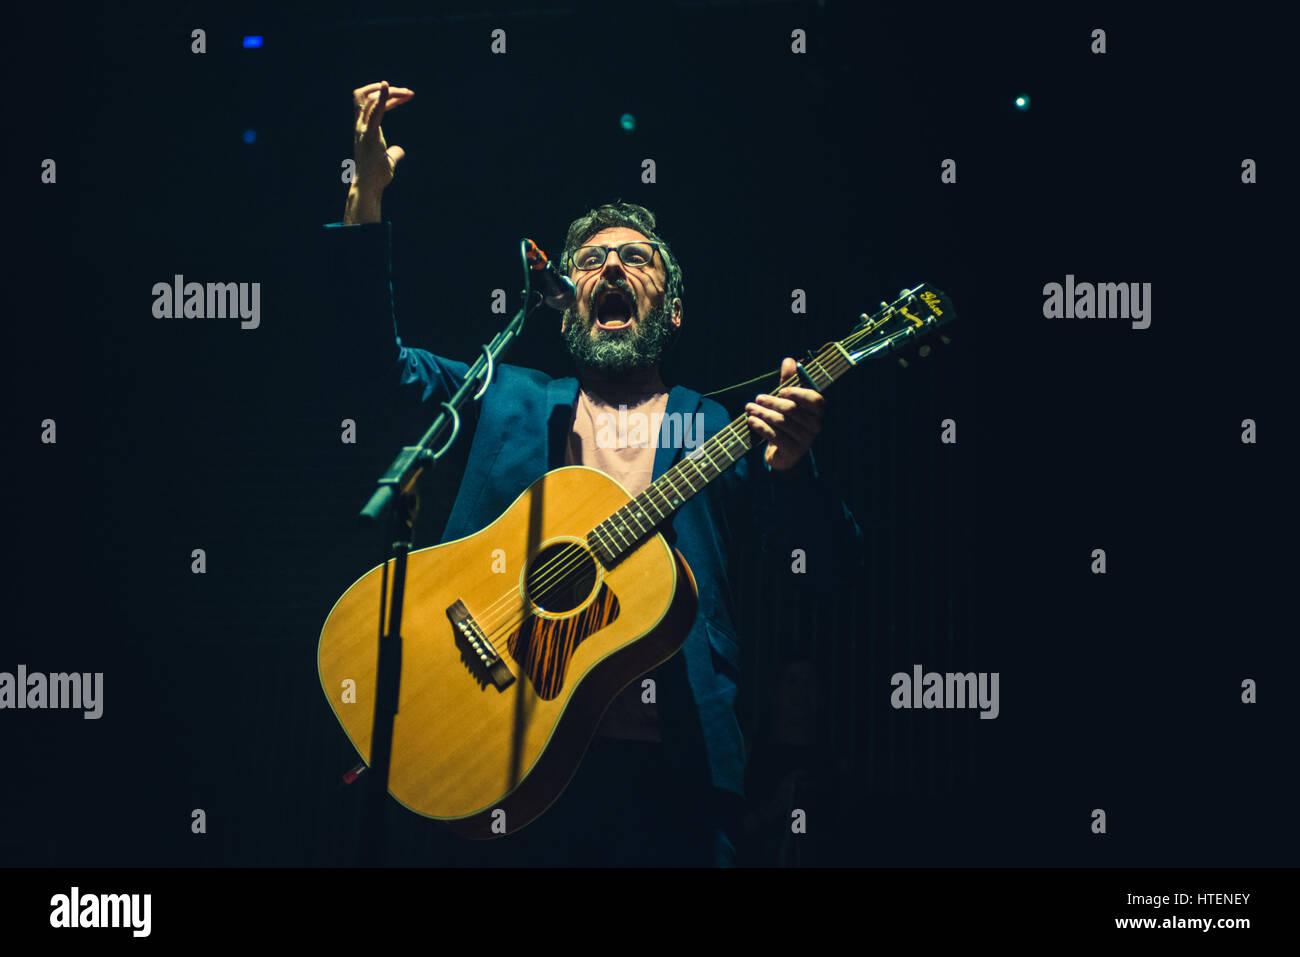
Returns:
(775,172)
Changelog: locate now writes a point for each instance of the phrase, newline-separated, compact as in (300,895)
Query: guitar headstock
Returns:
(896,325)
(894,328)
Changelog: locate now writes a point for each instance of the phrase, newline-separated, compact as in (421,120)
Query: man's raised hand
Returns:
(375,160)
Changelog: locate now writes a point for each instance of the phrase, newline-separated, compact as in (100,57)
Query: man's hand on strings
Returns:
(789,421)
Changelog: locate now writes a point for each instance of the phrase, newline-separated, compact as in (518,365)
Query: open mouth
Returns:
(613,310)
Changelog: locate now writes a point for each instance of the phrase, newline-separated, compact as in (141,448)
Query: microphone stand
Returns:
(398,493)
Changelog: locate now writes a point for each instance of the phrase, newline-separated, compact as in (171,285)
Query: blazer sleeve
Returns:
(359,286)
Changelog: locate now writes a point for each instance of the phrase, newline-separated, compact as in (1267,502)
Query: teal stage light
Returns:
(628,122)
(1022,103)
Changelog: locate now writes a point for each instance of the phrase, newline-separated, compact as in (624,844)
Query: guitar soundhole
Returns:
(561,577)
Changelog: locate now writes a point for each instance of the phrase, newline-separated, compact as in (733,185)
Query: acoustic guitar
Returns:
(504,680)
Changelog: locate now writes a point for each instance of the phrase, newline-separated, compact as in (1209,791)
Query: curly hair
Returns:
(631,216)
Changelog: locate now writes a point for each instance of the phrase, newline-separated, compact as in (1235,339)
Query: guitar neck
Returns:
(636,521)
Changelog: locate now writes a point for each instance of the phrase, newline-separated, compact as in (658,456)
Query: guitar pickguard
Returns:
(543,646)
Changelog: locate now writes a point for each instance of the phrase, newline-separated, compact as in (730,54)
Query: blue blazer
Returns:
(520,432)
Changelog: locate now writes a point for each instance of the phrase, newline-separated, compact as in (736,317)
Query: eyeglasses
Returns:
(639,254)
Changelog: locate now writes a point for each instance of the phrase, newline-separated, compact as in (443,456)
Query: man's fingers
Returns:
(790,399)
(375,106)
(787,427)
(807,398)
(797,433)
(395,153)
(361,92)
(794,423)
(370,128)
(784,442)
(790,431)
(790,421)
(394,101)
(375,111)
(363,121)
(762,428)
(806,411)
(368,103)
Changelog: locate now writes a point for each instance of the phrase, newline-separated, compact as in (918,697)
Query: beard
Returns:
(615,353)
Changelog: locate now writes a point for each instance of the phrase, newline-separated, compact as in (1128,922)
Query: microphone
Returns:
(559,290)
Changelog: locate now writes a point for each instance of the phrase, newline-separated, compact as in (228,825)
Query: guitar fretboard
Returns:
(639,518)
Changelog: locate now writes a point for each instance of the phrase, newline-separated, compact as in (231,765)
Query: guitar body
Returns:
(514,642)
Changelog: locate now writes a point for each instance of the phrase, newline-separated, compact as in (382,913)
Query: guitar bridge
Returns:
(481,645)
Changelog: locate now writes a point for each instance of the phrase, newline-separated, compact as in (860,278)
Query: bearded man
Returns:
(663,780)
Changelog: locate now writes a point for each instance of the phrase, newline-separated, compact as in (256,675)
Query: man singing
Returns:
(662,781)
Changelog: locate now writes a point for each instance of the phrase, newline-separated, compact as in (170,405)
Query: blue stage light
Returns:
(250,136)
(252,43)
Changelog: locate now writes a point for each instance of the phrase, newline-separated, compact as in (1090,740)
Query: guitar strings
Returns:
(560,570)
(563,568)
(737,429)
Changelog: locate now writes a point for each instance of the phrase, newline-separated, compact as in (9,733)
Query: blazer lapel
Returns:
(561,396)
